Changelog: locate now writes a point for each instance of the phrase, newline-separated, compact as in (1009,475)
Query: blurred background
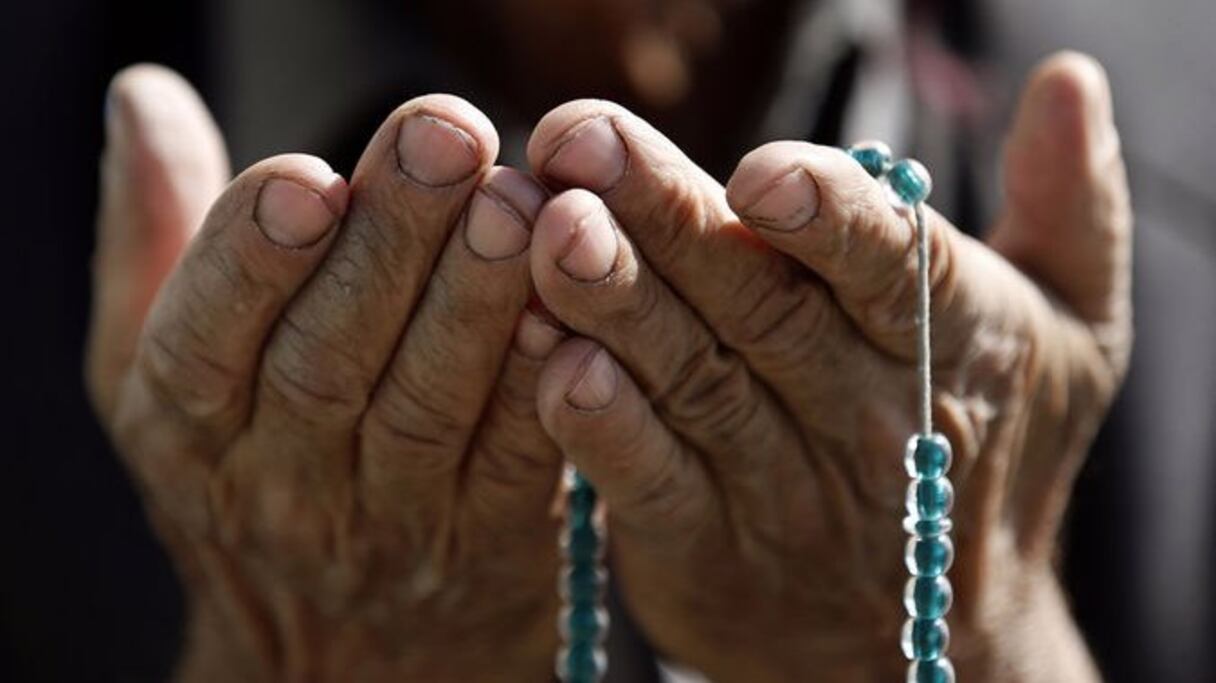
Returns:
(85,592)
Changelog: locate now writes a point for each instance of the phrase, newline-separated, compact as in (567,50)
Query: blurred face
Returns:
(645,50)
(645,46)
(697,69)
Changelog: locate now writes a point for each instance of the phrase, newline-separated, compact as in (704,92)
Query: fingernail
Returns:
(494,229)
(591,251)
(788,205)
(291,215)
(593,156)
(435,152)
(535,337)
(595,386)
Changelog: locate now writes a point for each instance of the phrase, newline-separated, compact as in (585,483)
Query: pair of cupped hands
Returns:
(347,406)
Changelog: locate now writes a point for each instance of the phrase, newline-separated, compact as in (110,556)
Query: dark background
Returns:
(85,592)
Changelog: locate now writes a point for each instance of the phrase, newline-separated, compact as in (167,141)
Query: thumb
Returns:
(1068,216)
(163,165)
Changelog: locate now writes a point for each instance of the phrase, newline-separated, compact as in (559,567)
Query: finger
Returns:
(336,337)
(514,466)
(755,301)
(192,382)
(590,277)
(204,335)
(655,489)
(164,164)
(819,206)
(434,393)
(1068,219)
(1068,224)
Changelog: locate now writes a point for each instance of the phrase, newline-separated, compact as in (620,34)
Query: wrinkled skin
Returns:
(330,397)
(327,394)
(744,409)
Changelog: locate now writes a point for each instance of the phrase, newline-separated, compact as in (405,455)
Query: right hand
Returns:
(741,384)
(327,395)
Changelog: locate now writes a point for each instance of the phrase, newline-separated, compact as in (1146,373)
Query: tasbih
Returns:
(929,553)
(583,621)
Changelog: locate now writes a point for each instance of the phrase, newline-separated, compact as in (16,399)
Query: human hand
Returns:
(327,394)
(743,384)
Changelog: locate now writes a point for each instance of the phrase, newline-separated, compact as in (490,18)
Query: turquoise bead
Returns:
(930,499)
(916,526)
(583,584)
(578,482)
(932,671)
(581,663)
(925,638)
(928,457)
(581,492)
(583,623)
(585,574)
(928,597)
(581,514)
(582,544)
(929,556)
(874,157)
(909,182)
(582,499)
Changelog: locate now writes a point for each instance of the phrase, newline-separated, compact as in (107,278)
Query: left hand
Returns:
(326,393)
(744,383)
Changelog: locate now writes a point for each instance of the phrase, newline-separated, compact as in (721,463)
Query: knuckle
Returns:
(517,401)
(513,460)
(669,501)
(890,305)
(710,391)
(360,264)
(170,460)
(230,281)
(843,225)
(679,215)
(181,366)
(273,517)
(783,322)
(313,373)
(465,300)
(943,268)
(637,306)
(410,419)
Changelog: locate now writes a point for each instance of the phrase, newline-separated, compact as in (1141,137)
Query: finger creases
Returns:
(204,335)
(446,374)
(678,218)
(513,466)
(590,277)
(864,250)
(337,336)
(757,302)
(655,487)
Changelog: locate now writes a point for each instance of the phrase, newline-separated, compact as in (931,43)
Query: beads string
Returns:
(583,621)
(929,552)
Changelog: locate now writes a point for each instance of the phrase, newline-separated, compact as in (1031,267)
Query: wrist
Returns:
(1024,636)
